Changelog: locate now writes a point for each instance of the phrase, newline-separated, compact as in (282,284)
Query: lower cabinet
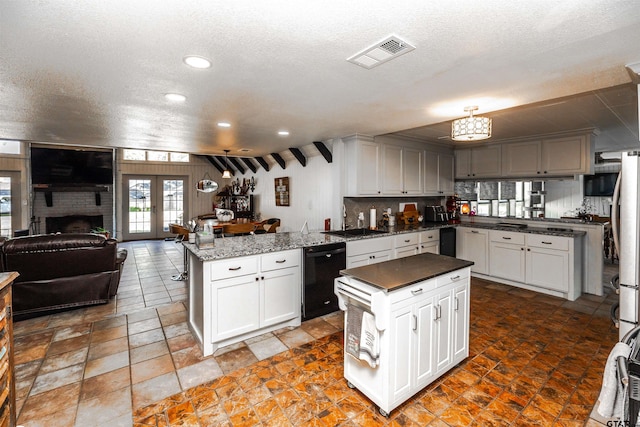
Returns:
(233,299)
(545,263)
(429,242)
(369,251)
(473,245)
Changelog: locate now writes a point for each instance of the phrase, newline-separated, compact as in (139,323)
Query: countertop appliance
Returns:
(435,214)
(322,264)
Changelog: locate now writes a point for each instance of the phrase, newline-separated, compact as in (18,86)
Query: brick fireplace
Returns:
(73,223)
(72,211)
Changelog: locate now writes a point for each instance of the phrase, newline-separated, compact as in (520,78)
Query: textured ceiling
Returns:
(95,72)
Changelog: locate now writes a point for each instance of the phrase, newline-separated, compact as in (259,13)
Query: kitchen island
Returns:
(417,329)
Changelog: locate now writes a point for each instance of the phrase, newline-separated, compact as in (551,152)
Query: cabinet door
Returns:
(392,170)
(443,327)
(474,246)
(463,163)
(431,172)
(380,256)
(357,260)
(424,330)
(430,247)
(564,156)
(521,159)
(411,171)
(368,164)
(280,296)
(548,268)
(236,304)
(430,242)
(405,251)
(507,261)
(461,322)
(446,180)
(485,161)
(401,352)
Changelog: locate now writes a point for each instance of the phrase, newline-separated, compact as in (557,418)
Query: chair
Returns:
(180,231)
(271,223)
(238,229)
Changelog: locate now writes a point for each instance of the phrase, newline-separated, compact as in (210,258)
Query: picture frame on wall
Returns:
(282,191)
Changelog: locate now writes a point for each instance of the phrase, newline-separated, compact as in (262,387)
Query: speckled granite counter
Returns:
(398,273)
(230,247)
(551,231)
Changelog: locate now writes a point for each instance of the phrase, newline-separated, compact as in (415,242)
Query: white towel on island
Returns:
(363,338)
(611,401)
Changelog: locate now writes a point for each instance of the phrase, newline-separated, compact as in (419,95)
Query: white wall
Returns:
(313,196)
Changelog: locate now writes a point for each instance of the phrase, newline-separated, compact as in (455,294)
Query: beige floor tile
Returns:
(56,379)
(104,408)
(64,360)
(268,347)
(106,364)
(106,348)
(151,368)
(155,389)
(149,351)
(104,383)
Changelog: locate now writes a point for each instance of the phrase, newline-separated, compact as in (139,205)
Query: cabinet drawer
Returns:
(234,267)
(507,237)
(548,242)
(457,276)
(406,239)
(278,260)
(413,292)
(366,246)
(430,236)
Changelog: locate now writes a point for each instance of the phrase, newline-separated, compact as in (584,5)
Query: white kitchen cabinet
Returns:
(363,156)
(507,255)
(233,299)
(369,251)
(401,170)
(424,335)
(473,245)
(438,173)
(549,157)
(478,162)
(406,244)
(539,262)
(429,241)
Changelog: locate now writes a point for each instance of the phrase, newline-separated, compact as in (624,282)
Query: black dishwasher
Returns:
(448,241)
(322,264)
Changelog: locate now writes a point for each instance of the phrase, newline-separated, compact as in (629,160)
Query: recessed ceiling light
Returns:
(224,124)
(283,133)
(197,61)
(175,97)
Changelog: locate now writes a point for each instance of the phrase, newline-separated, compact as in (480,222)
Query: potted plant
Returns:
(100,230)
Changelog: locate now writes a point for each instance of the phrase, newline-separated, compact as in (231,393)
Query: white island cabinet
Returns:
(233,299)
(421,308)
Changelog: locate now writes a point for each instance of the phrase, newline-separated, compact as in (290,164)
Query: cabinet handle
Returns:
(528,250)
(281,261)
(415,322)
(257,278)
(234,268)
(407,241)
(475,231)
(455,277)
(416,291)
(456,304)
(547,243)
(435,310)
(506,238)
(522,249)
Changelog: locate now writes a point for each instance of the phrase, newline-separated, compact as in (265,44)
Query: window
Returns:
(9,146)
(154,156)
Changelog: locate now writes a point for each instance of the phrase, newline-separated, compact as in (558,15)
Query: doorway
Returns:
(10,212)
(150,204)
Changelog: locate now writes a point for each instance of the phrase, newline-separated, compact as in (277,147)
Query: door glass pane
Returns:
(172,203)
(5,207)
(139,205)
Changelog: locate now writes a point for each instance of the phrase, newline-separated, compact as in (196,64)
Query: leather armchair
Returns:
(61,271)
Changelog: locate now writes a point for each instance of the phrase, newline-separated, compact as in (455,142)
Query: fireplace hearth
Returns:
(73,223)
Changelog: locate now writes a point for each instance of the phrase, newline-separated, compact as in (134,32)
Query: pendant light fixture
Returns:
(472,128)
(226,173)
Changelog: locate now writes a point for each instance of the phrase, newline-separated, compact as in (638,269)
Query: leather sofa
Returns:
(60,272)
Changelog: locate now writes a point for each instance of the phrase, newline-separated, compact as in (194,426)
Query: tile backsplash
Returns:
(355,205)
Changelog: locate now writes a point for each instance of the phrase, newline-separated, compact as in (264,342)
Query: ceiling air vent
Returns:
(383,51)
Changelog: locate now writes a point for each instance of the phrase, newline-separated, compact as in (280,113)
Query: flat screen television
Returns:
(600,184)
(62,167)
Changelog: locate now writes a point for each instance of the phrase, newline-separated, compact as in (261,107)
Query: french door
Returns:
(150,204)
(9,203)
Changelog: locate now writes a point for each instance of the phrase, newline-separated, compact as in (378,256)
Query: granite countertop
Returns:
(401,272)
(560,231)
(231,247)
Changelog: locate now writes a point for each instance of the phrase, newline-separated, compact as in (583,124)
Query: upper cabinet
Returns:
(391,167)
(548,157)
(401,170)
(478,162)
(363,166)
(438,173)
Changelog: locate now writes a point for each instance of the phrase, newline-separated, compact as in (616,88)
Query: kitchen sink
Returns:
(354,232)
(511,225)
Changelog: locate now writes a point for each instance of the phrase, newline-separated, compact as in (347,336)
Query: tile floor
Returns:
(535,360)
